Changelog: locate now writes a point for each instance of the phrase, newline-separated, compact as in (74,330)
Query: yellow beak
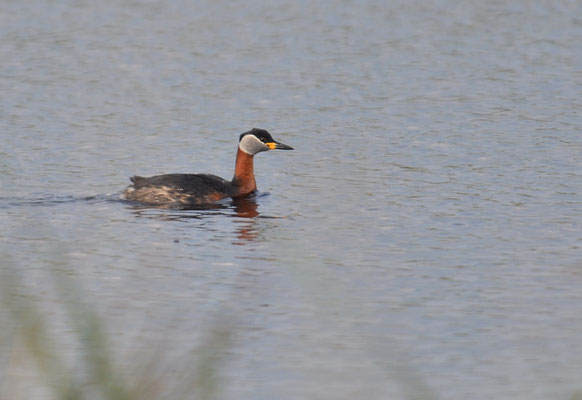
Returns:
(276,145)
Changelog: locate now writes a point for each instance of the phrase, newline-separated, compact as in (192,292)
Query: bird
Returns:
(183,190)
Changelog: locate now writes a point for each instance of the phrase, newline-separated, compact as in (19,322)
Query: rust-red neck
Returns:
(244,174)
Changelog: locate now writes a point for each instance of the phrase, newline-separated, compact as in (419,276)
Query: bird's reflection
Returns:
(246,207)
(244,210)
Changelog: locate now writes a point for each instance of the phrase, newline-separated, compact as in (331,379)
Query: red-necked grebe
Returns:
(196,189)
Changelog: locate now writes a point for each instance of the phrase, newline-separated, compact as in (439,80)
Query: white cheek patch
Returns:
(251,145)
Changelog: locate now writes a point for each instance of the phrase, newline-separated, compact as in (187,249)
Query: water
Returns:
(422,241)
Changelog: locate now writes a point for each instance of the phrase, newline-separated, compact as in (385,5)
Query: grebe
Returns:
(195,189)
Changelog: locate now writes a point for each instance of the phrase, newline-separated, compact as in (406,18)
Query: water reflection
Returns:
(245,211)
(246,208)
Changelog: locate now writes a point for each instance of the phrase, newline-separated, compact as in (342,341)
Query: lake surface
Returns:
(422,241)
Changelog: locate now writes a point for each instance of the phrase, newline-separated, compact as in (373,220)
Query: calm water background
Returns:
(422,241)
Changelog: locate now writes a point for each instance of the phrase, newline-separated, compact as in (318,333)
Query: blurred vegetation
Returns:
(35,360)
